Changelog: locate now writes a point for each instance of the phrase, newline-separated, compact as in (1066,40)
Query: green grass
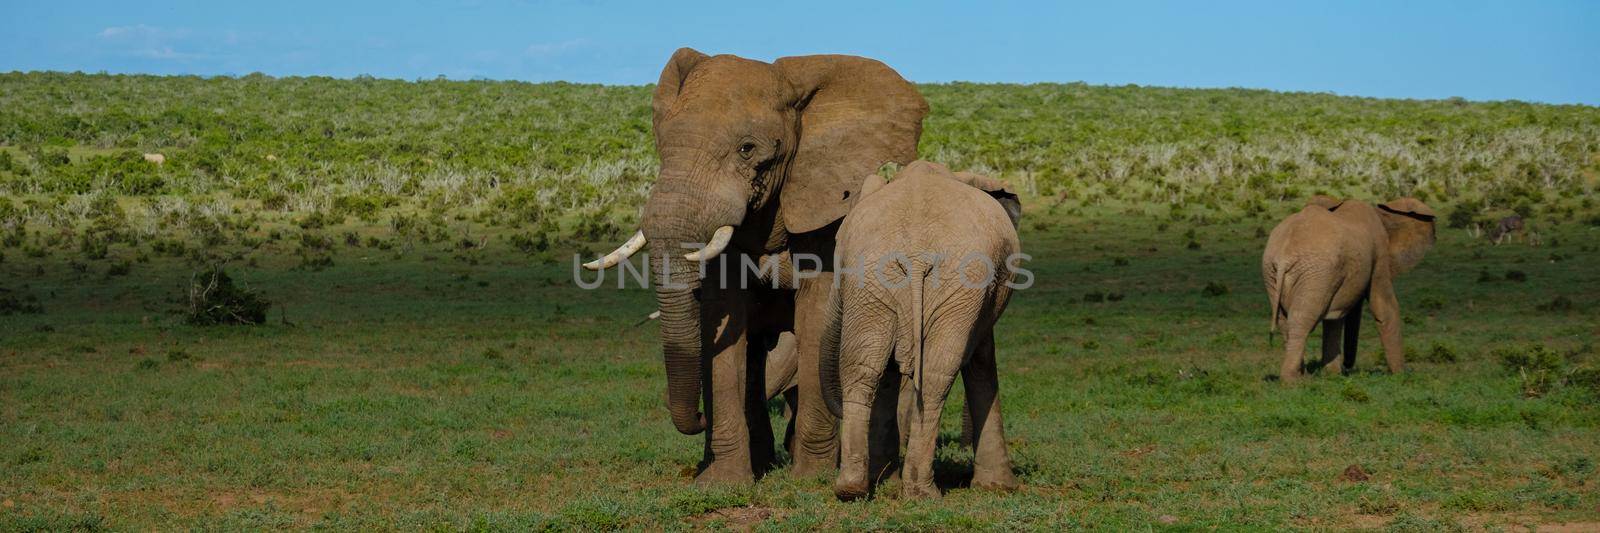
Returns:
(428,362)
(431,386)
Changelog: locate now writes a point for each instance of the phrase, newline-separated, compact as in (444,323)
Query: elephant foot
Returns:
(920,491)
(996,480)
(811,465)
(725,473)
(850,487)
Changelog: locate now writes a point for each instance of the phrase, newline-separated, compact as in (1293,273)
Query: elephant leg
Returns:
(883,443)
(904,414)
(782,366)
(967,435)
(756,416)
(1296,328)
(816,448)
(991,463)
(728,457)
(1386,311)
(791,398)
(1352,334)
(863,359)
(1332,337)
(932,377)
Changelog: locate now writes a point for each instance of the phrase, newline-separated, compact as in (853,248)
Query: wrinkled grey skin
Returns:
(900,333)
(773,150)
(1324,262)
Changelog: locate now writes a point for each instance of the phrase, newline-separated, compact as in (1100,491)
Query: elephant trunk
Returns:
(832,325)
(674,216)
(680,348)
(686,208)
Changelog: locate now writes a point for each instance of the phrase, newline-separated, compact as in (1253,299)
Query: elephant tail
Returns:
(1278,283)
(832,324)
(917,276)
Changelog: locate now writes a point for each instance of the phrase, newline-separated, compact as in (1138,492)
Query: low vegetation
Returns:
(428,362)
(561,162)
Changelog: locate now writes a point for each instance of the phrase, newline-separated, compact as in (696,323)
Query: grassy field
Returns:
(406,390)
(428,362)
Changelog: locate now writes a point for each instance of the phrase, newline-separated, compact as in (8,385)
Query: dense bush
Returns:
(215,300)
(568,161)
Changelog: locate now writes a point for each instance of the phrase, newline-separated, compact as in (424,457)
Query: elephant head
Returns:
(1409,223)
(999,191)
(751,152)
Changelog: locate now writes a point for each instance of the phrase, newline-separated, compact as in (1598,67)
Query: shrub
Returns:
(1588,378)
(1465,214)
(24,305)
(49,156)
(1438,353)
(320,219)
(1530,358)
(1559,304)
(315,262)
(1516,275)
(1214,289)
(530,243)
(364,207)
(1430,304)
(215,300)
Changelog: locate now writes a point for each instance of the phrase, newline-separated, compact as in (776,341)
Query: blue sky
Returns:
(1543,51)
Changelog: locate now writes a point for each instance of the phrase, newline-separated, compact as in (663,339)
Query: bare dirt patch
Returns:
(1354,474)
(737,518)
(1568,527)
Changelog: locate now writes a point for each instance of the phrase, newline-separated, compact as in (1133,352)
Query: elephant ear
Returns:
(870,184)
(999,190)
(1409,223)
(683,61)
(1326,202)
(855,115)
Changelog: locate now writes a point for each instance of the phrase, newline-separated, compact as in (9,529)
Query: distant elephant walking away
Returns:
(925,263)
(1326,261)
(158,159)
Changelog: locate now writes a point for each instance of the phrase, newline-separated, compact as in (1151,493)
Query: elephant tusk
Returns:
(719,240)
(652,316)
(620,254)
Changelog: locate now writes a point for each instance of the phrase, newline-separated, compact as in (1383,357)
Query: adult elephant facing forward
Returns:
(757,159)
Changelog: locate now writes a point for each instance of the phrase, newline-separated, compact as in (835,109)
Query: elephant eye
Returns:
(746,149)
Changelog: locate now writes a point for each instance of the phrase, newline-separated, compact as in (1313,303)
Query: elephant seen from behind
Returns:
(1326,261)
(925,265)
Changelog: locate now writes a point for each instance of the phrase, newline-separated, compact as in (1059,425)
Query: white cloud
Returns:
(173,44)
(554,49)
(142,32)
(164,52)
